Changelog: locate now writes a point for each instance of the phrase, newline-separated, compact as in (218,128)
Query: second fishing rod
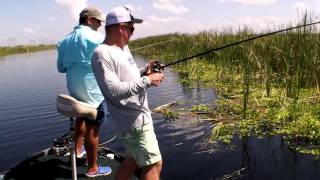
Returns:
(158,66)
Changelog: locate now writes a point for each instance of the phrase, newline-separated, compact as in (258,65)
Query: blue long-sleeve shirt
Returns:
(74,59)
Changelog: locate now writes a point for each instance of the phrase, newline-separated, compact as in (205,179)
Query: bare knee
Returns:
(152,171)
(153,166)
(158,165)
(126,169)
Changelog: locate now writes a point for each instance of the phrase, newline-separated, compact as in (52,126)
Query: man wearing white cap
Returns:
(74,58)
(124,88)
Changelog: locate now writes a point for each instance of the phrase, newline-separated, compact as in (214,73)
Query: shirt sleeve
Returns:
(91,42)
(104,69)
(60,65)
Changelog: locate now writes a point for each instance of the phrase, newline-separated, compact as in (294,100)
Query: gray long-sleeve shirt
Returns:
(122,86)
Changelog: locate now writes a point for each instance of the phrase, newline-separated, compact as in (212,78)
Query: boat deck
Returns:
(54,167)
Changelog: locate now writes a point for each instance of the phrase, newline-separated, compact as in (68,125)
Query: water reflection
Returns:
(270,158)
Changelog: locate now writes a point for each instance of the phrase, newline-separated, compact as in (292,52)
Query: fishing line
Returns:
(154,44)
(158,67)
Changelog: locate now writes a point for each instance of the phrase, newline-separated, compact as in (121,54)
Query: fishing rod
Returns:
(154,44)
(158,66)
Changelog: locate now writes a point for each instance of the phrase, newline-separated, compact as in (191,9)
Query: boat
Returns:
(59,161)
(54,163)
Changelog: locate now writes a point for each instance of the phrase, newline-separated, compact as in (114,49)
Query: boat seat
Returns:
(71,107)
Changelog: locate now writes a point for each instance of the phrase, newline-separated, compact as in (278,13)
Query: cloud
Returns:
(310,5)
(28,30)
(74,6)
(133,8)
(139,8)
(172,6)
(164,20)
(301,6)
(52,19)
(261,22)
(251,2)
(256,24)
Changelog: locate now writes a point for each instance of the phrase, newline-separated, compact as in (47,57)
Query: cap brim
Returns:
(100,18)
(135,20)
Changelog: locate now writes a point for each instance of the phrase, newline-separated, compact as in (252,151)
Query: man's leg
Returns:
(141,143)
(152,172)
(126,169)
(80,130)
(91,146)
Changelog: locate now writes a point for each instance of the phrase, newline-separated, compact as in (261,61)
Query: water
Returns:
(29,122)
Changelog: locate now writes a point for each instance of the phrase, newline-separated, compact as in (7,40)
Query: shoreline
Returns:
(22,49)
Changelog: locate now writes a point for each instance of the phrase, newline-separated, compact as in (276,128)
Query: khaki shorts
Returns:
(141,143)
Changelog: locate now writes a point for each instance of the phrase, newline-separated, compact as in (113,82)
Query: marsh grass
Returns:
(269,80)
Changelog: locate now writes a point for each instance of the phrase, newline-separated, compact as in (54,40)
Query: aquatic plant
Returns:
(200,108)
(269,85)
(221,133)
(169,115)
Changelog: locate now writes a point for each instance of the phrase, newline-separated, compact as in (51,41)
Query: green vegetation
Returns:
(4,51)
(200,108)
(267,86)
(169,115)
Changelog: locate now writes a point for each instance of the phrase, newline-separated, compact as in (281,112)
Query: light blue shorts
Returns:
(141,143)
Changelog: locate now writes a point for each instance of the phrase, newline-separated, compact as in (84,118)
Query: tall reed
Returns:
(274,77)
(288,60)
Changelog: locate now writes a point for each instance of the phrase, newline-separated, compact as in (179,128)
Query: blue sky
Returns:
(47,21)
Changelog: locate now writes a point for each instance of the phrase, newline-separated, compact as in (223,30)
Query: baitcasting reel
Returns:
(157,67)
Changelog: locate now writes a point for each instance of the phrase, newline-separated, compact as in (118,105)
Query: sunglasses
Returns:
(131,28)
(97,20)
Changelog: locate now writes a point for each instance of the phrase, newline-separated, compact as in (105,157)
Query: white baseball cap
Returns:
(121,14)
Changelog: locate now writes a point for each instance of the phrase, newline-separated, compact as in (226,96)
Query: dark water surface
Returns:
(29,122)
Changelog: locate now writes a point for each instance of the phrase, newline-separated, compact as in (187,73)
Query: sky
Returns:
(33,22)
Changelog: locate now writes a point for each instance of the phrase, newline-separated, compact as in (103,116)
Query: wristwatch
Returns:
(146,81)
